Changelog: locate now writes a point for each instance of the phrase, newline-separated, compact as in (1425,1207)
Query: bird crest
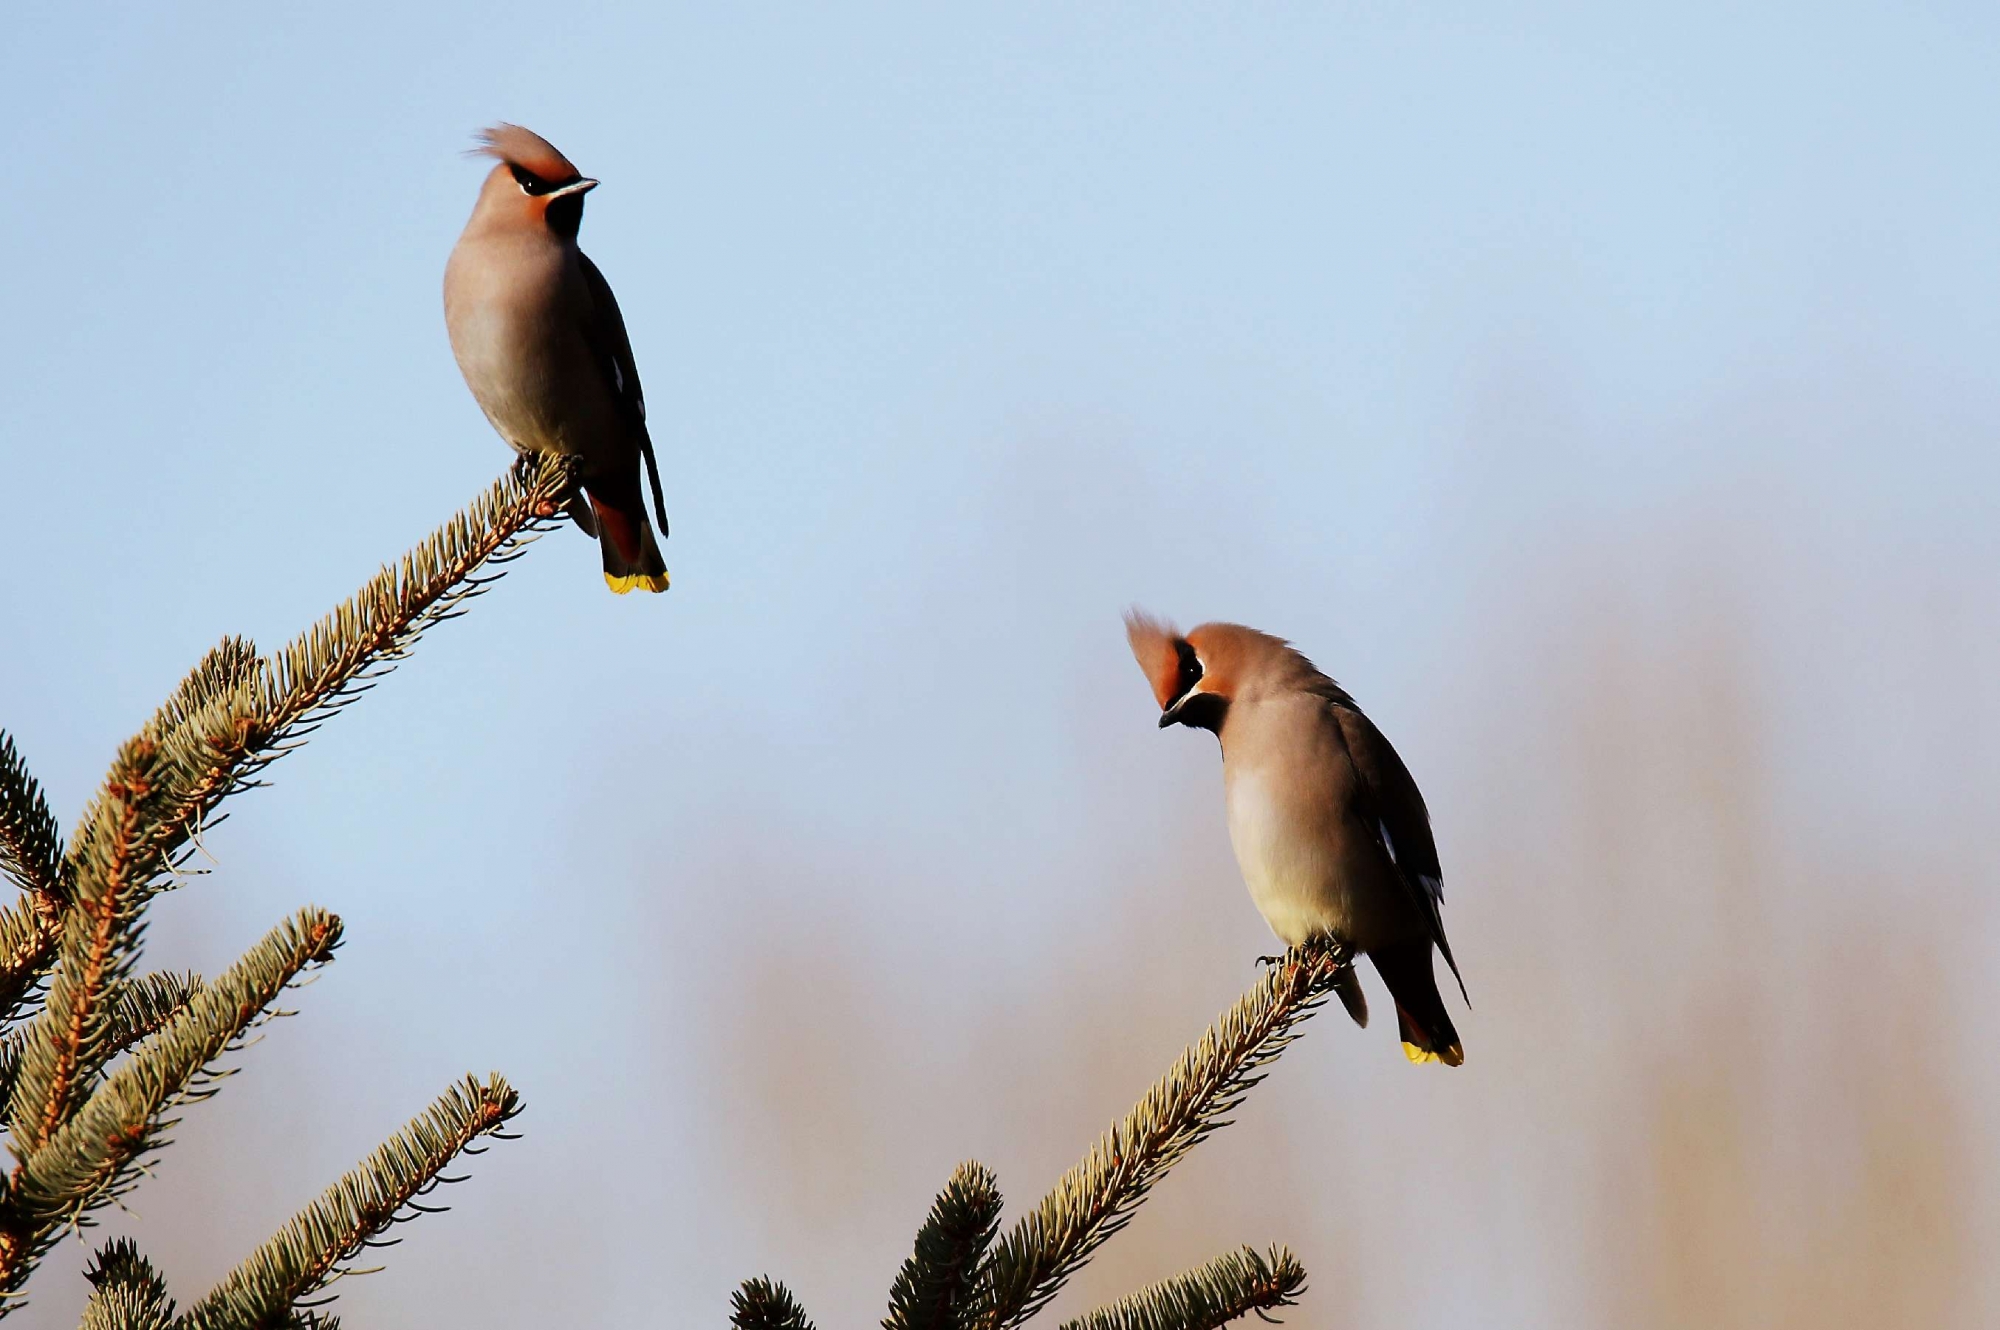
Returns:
(1235,657)
(529,151)
(1158,647)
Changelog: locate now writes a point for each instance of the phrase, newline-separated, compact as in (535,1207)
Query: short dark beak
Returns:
(573,187)
(1172,715)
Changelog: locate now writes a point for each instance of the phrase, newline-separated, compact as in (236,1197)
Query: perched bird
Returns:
(542,345)
(1329,829)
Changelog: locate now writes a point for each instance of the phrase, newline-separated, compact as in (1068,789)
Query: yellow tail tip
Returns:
(1450,1057)
(637,582)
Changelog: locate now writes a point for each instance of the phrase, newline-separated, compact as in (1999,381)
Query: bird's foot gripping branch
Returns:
(98,1056)
(958,1277)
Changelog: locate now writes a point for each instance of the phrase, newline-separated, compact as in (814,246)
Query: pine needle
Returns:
(144,1005)
(1224,1290)
(90,1159)
(31,856)
(313,1250)
(30,844)
(938,1286)
(763,1305)
(79,929)
(1098,1197)
(128,1293)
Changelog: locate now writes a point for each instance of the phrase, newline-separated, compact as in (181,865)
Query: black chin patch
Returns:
(566,215)
(1204,711)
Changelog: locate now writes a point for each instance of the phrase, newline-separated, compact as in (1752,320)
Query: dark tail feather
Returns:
(1347,986)
(631,557)
(1427,1031)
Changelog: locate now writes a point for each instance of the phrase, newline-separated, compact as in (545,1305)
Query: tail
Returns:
(1347,986)
(1427,1031)
(631,555)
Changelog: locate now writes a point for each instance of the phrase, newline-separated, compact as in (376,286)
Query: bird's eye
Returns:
(530,183)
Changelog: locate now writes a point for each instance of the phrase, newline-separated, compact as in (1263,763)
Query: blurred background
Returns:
(1606,400)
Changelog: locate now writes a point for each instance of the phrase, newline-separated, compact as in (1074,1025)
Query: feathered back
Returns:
(1157,646)
(528,150)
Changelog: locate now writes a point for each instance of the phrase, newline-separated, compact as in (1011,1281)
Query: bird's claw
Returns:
(1270,960)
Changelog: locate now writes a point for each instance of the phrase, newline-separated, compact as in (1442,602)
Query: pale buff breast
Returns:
(1310,868)
(501,295)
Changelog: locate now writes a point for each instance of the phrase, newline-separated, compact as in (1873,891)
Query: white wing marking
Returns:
(1430,884)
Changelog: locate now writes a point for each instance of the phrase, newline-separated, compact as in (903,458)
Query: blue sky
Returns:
(1501,363)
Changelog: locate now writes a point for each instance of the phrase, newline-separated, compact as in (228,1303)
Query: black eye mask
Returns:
(1190,672)
(530,183)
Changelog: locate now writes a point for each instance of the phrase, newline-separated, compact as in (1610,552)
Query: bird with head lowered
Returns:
(1328,826)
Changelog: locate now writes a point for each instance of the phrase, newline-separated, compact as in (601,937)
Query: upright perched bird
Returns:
(1329,829)
(542,345)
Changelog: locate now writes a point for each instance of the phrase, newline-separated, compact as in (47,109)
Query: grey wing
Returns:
(1388,800)
(604,330)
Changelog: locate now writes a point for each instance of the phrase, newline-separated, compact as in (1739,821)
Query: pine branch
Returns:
(141,1006)
(31,855)
(79,1135)
(763,1305)
(113,868)
(311,1251)
(937,1288)
(27,945)
(1225,1289)
(232,715)
(339,657)
(30,844)
(100,938)
(10,1070)
(1097,1197)
(91,1160)
(130,1295)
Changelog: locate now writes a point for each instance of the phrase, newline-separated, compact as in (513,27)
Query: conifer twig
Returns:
(1222,1291)
(937,1288)
(10,1067)
(377,626)
(143,1005)
(233,714)
(129,1294)
(1097,1197)
(100,937)
(30,844)
(236,713)
(763,1305)
(31,856)
(69,946)
(27,942)
(308,1253)
(138,1008)
(90,1160)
